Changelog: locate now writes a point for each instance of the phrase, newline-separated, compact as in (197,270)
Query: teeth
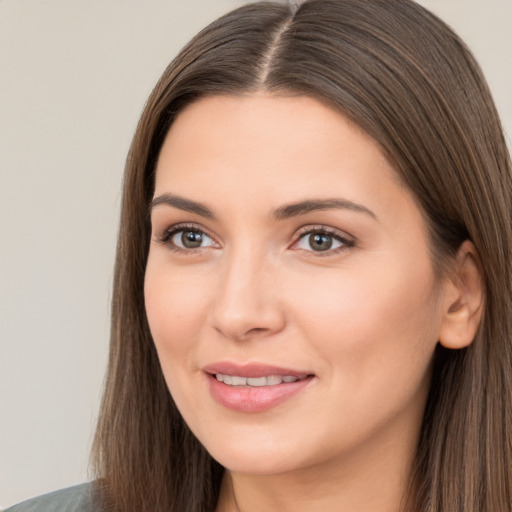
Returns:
(271,380)
(238,381)
(259,381)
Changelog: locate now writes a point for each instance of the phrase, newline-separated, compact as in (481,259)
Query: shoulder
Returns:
(79,498)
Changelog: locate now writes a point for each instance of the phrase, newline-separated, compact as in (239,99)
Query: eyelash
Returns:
(166,238)
(346,242)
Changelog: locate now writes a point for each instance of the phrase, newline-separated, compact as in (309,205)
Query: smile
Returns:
(271,380)
(254,387)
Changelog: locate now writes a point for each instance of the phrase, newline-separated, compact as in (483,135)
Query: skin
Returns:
(364,317)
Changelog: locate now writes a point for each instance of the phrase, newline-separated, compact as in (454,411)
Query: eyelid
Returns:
(168,233)
(347,241)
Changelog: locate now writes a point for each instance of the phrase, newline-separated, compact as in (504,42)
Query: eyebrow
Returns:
(182,203)
(281,213)
(311,205)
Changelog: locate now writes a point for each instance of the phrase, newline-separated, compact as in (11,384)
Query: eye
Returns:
(322,240)
(183,238)
(191,239)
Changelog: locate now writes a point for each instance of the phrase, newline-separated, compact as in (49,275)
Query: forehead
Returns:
(256,152)
(266,137)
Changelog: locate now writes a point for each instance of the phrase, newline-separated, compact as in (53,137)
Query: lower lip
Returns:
(254,399)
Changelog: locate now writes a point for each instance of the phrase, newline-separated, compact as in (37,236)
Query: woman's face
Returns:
(288,261)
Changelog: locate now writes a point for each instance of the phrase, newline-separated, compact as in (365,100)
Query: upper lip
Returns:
(252,370)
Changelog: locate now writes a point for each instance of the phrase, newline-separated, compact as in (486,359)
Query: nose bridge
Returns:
(246,302)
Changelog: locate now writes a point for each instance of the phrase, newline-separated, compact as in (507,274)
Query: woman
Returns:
(312,303)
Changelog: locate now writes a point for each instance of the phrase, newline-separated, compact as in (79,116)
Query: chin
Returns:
(255,457)
(256,465)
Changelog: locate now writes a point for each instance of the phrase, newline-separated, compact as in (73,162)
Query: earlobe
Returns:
(463,299)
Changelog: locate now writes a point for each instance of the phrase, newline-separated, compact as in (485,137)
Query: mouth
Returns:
(254,387)
(256,382)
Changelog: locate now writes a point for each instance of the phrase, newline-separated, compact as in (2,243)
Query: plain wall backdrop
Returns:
(74,76)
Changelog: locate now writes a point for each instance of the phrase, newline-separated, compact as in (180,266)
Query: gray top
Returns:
(73,499)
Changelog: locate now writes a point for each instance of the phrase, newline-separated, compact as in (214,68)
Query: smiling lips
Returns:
(271,380)
(253,387)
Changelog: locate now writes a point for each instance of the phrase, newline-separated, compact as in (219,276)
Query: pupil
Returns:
(320,242)
(191,239)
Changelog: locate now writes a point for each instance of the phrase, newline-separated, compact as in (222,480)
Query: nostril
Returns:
(251,323)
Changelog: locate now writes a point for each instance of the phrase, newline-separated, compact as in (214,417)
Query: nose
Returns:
(246,303)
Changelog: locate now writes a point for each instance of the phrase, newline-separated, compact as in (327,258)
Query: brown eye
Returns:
(320,241)
(323,241)
(191,239)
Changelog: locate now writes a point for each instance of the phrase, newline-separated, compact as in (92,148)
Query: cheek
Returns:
(375,336)
(174,307)
(366,317)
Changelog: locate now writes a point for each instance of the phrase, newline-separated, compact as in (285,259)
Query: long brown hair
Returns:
(404,77)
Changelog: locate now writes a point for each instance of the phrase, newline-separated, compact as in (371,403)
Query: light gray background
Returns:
(74,75)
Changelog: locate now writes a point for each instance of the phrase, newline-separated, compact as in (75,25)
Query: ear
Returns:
(463,299)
